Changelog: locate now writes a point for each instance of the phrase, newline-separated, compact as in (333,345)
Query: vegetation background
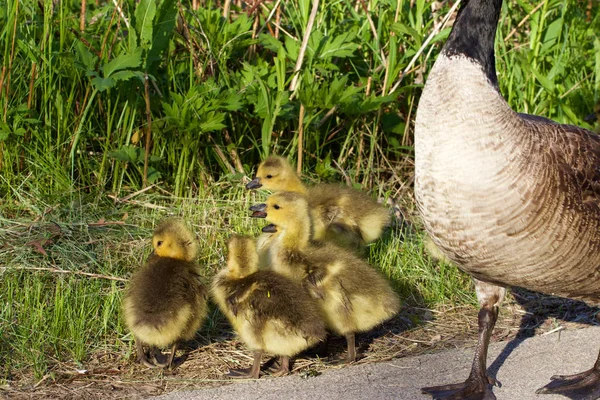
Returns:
(116,113)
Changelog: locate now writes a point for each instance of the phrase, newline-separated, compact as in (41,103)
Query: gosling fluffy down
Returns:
(165,301)
(351,295)
(269,312)
(347,216)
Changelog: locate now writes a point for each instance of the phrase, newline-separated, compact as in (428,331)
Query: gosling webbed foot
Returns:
(582,386)
(284,367)
(141,355)
(242,373)
(247,373)
(145,362)
(471,389)
(272,366)
(160,360)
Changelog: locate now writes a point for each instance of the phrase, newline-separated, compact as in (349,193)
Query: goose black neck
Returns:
(474,32)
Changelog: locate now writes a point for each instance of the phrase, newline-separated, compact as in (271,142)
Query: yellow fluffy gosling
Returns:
(347,216)
(269,312)
(165,301)
(351,295)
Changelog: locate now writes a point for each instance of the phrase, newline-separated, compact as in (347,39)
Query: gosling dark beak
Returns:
(258,210)
(271,228)
(254,184)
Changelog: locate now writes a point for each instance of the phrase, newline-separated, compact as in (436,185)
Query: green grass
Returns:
(75,113)
(64,305)
(78,111)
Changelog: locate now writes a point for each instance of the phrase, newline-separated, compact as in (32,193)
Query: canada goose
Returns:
(351,295)
(512,199)
(348,216)
(269,312)
(165,301)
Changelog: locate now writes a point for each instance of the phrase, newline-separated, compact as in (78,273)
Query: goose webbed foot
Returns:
(247,373)
(471,389)
(478,385)
(584,386)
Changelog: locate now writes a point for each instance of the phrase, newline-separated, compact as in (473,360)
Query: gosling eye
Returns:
(276,207)
(159,243)
(269,176)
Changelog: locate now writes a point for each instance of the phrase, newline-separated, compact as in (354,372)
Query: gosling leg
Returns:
(247,373)
(141,356)
(351,354)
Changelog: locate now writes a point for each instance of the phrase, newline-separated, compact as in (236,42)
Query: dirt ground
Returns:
(116,375)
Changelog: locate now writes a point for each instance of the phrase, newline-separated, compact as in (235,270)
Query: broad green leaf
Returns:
(269,42)
(544,81)
(164,24)
(4,131)
(233,102)
(86,57)
(132,39)
(153,175)
(127,154)
(403,29)
(124,75)
(340,46)
(103,83)
(292,48)
(124,61)
(144,16)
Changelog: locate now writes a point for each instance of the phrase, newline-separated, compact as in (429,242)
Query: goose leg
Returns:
(284,368)
(584,386)
(478,384)
(141,356)
(252,372)
(351,355)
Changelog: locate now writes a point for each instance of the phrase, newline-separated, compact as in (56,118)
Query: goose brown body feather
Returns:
(513,199)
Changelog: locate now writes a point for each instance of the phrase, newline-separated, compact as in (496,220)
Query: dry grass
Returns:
(116,375)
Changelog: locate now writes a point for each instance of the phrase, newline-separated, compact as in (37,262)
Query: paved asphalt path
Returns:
(520,366)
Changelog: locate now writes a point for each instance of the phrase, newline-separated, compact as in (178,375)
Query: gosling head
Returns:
(282,209)
(242,259)
(275,174)
(173,239)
